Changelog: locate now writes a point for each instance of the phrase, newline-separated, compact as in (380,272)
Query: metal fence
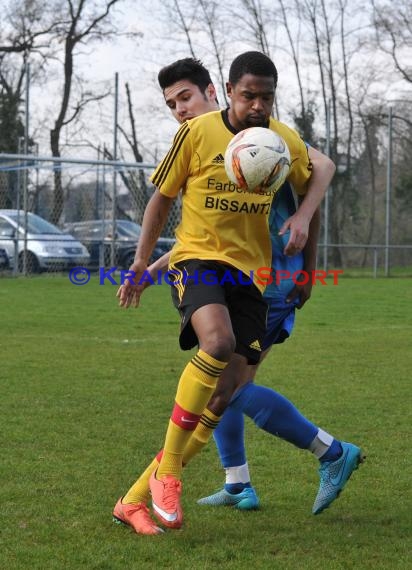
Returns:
(373,260)
(99,205)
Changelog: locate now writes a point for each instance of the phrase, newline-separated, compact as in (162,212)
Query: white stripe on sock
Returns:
(238,474)
(321,443)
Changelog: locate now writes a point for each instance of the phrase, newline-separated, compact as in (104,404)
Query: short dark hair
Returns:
(253,62)
(188,68)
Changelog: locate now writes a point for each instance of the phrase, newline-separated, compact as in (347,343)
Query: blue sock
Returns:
(229,439)
(275,414)
(235,488)
(333,453)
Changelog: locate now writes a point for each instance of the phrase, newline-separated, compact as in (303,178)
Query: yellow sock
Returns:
(196,385)
(139,492)
(207,424)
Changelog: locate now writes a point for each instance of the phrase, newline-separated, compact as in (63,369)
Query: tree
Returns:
(402,171)
(25,30)
(135,180)
(392,22)
(27,26)
(331,27)
(25,33)
(82,23)
(11,125)
(367,175)
(202,25)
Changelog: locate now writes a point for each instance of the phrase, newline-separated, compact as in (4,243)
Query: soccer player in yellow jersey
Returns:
(223,235)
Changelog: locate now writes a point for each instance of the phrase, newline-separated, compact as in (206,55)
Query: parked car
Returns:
(47,246)
(4,259)
(97,236)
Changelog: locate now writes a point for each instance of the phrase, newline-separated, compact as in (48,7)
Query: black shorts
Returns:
(202,282)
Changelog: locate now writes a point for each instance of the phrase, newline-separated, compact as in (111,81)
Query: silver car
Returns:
(48,248)
(126,236)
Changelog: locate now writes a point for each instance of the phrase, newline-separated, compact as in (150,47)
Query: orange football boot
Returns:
(137,516)
(166,500)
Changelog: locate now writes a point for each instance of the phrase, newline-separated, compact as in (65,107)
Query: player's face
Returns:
(186,100)
(251,101)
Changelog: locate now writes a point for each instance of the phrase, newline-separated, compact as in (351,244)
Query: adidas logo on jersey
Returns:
(219,159)
(255,345)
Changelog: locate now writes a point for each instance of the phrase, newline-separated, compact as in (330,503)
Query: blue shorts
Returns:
(281,315)
(280,321)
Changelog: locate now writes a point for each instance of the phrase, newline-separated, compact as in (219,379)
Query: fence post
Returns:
(18,206)
(26,166)
(388,193)
(326,201)
(116,106)
(375,262)
(102,248)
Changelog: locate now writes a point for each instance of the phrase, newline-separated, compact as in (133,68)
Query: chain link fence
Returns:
(56,214)
(60,213)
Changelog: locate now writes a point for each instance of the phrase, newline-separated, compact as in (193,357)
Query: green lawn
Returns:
(86,391)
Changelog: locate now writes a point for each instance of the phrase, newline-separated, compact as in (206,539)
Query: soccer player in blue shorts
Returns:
(270,410)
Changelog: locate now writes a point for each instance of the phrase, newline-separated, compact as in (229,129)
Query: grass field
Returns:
(86,391)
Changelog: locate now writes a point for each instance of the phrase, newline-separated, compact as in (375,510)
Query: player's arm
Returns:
(323,169)
(168,178)
(318,160)
(154,219)
(160,264)
(309,265)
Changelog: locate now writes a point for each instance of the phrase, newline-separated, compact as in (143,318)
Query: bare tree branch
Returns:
(256,24)
(294,57)
(185,28)
(96,21)
(393,32)
(133,143)
(72,37)
(81,104)
(342,6)
(209,9)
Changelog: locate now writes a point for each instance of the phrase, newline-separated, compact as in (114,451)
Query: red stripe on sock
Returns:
(159,455)
(183,418)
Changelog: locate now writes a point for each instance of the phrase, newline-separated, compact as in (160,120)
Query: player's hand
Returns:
(303,292)
(130,292)
(298,226)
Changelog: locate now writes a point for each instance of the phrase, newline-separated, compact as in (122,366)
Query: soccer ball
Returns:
(257,159)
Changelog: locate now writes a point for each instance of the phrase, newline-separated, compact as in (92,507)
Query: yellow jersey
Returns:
(220,221)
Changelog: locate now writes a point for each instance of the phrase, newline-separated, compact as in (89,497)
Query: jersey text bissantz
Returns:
(234,206)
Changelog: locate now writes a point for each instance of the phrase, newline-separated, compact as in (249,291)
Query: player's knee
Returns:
(220,401)
(219,345)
